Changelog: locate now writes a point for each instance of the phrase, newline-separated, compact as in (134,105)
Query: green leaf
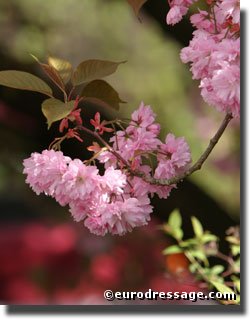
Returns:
(55,109)
(198,254)
(233,240)
(93,69)
(217,269)
(177,234)
(193,267)
(235,249)
(172,249)
(236,265)
(221,287)
(136,5)
(175,220)
(24,81)
(101,93)
(198,229)
(236,282)
(188,243)
(208,237)
(63,67)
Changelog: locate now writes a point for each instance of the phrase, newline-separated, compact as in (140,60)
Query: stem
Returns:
(227,273)
(71,92)
(192,260)
(110,149)
(227,259)
(167,182)
(215,22)
(198,266)
(226,34)
(198,165)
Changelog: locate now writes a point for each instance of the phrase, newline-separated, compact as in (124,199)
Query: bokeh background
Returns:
(46,257)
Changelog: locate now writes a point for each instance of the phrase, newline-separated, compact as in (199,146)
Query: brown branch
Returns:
(110,149)
(167,182)
(198,164)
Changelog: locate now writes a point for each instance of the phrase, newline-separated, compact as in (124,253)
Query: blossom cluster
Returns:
(214,51)
(178,9)
(116,201)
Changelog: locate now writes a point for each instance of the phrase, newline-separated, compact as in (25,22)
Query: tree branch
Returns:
(198,164)
(110,149)
(166,182)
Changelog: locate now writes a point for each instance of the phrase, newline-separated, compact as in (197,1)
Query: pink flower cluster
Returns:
(178,9)
(116,201)
(214,54)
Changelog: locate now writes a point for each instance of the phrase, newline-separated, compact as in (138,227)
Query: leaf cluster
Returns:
(200,248)
(89,74)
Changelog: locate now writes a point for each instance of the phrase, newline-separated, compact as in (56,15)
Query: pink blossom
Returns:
(143,116)
(214,52)
(107,158)
(178,9)
(175,14)
(174,158)
(217,64)
(114,180)
(163,192)
(119,217)
(199,52)
(140,135)
(165,170)
(128,143)
(79,181)
(178,150)
(230,8)
(154,128)
(79,210)
(115,202)
(44,170)
(141,188)
(222,90)
(201,21)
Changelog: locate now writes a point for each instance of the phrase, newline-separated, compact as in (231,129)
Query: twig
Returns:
(110,149)
(167,182)
(215,22)
(198,165)
(227,259)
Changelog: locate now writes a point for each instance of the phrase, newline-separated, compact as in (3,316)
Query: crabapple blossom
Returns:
(44,171)
(174,159)
(119,216)
(178,9)
(214,52)
(230,8)
(114,180)
(115,202)
(135,165)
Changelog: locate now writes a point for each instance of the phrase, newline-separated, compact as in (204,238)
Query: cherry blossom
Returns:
(178,9)
(214,53)
(116,201)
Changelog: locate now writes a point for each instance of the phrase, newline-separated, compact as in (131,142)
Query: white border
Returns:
(245,5)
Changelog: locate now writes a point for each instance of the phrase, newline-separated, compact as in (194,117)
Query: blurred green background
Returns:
(108,29)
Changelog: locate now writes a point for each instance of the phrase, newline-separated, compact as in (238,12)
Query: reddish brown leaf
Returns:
(93,69)
(101,93)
